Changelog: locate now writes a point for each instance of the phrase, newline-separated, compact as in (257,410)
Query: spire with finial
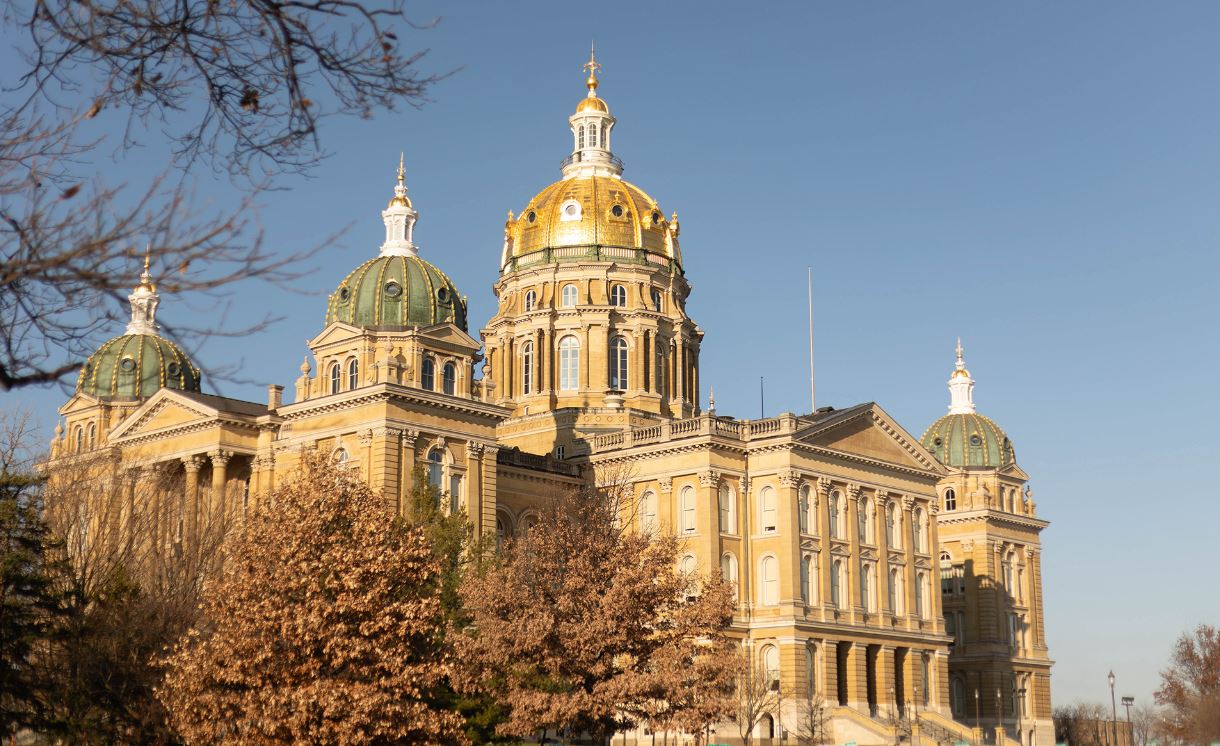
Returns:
(144,301)
(711,400)
(399,218)
(591,125)
(961,386)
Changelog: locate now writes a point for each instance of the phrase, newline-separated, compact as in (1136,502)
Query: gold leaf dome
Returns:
(576,217)
(592,103)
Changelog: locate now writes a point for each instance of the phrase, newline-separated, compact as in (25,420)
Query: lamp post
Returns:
(1113,708)
(999,713)
(976,708)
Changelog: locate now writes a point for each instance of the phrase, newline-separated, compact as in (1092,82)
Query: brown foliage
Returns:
(323,627)
(581,627)
(1190,688)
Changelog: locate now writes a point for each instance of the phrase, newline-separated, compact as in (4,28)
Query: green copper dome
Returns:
(968,440)
(396,291)
(136,366)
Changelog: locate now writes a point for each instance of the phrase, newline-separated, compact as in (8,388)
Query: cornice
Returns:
(386,392)
(958,517)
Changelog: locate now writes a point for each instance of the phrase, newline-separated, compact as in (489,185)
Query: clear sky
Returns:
(1041,179)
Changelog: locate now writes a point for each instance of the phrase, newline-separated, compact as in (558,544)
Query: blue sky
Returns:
(1038,178)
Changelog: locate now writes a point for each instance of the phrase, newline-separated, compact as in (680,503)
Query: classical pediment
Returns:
(866,431)
(166,409)
(77,403)
(335,333)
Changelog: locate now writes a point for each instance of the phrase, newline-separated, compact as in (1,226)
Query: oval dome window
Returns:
(173,370)
(393,289)
(617,211)
(442,295)
(344,293)
(127,364)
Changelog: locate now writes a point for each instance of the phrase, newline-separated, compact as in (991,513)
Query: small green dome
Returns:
(968,440)
(136,366)
(396,291)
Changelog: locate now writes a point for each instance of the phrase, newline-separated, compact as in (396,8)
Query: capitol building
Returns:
(896,578)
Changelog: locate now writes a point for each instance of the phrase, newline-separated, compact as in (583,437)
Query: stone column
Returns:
(190,507)
(707,521)
(220,478)
(637,362)
(488,490)
(825,561)
(882,575)
(679,369)
(406,468)
(935,612)
(853,534)
(908,523)
(885,681)
(383,475)
(857,677)
(474,489)
(787,497)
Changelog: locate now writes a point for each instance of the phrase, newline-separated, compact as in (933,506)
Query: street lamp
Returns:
(1113,708)
(1127,702)
(999,712)
(976,708)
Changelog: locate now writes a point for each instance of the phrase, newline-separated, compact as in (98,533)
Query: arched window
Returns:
(836,584)
(866,587)
(527,367)
(569,363)
(864,508)
(567,297)
(618,296)
(770,581)
(919,528)
(353,374)
(336,378)
(802,510)
(809,580)
(580,136)
(449,378)
(689,568)
(531,298)
(921,593)
(618,364)
(766,499)
(728,568)
(895,591)
(688,509)
(656,300)
(770,661)
(593,135)
(728,510)
(950,499)
(92,435)
(501,532)
(436,468)
(836,509)
(811,671)
(648,513)
(893,524)
(79,438)
(340,457)
(427,375)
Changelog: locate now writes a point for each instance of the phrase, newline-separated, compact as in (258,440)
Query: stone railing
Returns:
(695,427)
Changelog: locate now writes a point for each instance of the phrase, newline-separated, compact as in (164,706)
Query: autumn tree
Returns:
(758,695)
(239,88)
(578,626)
(323,628)
(1190,688)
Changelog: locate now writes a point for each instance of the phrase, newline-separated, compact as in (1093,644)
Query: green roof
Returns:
(136,366)
(961,440)
(396,291)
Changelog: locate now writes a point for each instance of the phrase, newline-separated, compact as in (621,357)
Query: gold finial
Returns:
(400,198)
(402,172)
(592,67)
(146,277)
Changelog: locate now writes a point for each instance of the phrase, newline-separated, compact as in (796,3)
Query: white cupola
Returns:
(144,301)
(399,217)
(961,386)
(591,125)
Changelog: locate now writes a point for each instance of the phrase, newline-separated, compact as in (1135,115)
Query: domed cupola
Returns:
(397,289)
(137,364)
(591,214)
(963,437)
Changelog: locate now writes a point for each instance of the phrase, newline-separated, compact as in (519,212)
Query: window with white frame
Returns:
(866,587)
(920,528)
(568,296)
(531,299)
(436,468)
(353,374)
(728,510)
(766,498)
(728,568)
(893,525)
(427,374)
(836,584)
(950,499)
(770,581)
(811,671)
(687,500)
(527,367)
(618,296)
(836,509)
(656,300)
(449,378)
(569,364)
(770,660)
(336,377)
(809,580)
(921,594)
(648,512)
(689,569)
(802,510)
(895,591)
(618,364)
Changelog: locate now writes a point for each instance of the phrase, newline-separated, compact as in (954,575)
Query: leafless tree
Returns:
(812,721)
(758,695)
(1190,687)
(237,87)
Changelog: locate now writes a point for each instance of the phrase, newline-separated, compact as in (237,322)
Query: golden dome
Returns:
(960,373)
(591,211)
(592,103)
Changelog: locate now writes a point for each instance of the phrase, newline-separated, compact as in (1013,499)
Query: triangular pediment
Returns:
(335,333)
(77,403)
(164,410)
(451,334)
(868,432)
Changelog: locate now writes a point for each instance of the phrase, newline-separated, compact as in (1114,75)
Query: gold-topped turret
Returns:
(400,198)
(146,282)
(591,101)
